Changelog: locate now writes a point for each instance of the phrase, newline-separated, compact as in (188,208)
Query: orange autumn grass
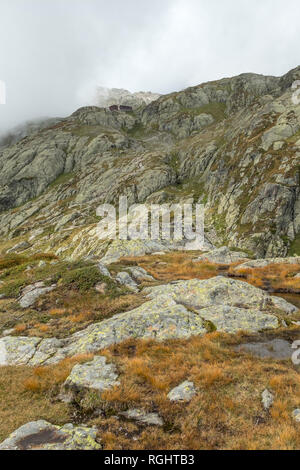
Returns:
(226,413)
(45,378)
(280,277)
(177,265)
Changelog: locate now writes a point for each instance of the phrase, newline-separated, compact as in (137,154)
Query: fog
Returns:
(53,53)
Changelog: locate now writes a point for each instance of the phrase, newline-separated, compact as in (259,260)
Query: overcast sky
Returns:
(53,53)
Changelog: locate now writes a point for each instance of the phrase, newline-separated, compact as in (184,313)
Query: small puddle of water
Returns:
(291,298)
(275,349)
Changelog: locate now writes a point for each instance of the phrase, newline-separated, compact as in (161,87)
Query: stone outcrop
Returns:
(41,435)
(178,310)
(215,292)
(95,375)
(183,392)
(131,248)
(136,414)
(124,279)
(140,274)
(262,263)
(222,256)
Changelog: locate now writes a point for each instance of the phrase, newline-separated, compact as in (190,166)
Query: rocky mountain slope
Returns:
(232,144)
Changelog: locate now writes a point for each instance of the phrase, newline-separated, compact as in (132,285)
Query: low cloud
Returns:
(53,53)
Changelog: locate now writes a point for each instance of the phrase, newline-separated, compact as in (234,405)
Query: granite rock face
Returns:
(178,310)
(217,291)
(41,435)
(106,97)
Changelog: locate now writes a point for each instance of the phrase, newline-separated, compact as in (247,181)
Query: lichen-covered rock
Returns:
(31,293)
(103,270)
(296,415)
(267,399)
(282,304)
(218,290)
(16,350)
(183,392)
(45,350)
(262,263)
(41,435)
(140,274)
(177,310)
(143,417)
(222,256)
(159,319)
(124,279)
(131,248)
(95,375)
(232,319)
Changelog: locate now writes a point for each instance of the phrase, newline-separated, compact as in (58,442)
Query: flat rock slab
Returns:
(183,392)
(21,350)
(160,320)
(262,263)
(125,248)
(275,349)
(143,417)
(177,310)
(218,290)
(41,435)
(232,319)
(94,375)
(222,256)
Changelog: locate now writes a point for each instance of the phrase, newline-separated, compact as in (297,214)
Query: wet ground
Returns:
(291,298)
(275,349)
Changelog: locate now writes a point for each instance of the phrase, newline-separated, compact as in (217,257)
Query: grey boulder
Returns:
(184,392)
(95,375)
